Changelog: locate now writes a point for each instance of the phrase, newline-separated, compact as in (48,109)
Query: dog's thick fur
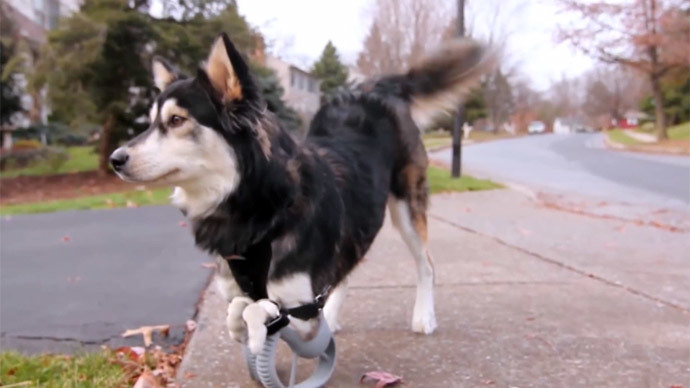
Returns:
(292,219)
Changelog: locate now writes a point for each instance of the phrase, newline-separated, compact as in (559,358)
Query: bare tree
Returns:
(651,36)
(401,31)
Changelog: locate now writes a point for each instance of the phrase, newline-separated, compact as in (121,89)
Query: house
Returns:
(32,19)
(302,90)
(630,119)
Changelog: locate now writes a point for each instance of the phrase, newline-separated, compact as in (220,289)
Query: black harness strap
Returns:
(304,312)
(250,271)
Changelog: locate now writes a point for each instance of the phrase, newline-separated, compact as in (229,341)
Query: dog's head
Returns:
(197,126)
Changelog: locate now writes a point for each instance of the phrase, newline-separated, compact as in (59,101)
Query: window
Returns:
(53,13)
(39,12)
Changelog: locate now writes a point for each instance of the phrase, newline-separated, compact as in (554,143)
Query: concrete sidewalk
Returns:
(526,297)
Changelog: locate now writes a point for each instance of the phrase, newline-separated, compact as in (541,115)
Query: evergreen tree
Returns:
(332,73)
(96,63)
(10,94)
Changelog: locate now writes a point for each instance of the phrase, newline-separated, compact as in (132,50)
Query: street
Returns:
(579,164)
(78,279)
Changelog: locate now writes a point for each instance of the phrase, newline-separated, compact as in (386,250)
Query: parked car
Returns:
(536,127)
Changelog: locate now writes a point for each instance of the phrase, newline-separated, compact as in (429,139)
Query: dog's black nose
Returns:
(118,159)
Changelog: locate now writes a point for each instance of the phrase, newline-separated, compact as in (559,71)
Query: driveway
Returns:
(579,164)
(76,280)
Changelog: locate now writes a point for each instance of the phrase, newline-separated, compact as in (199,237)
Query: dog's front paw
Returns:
(236,326)
(424,321)
(255,316)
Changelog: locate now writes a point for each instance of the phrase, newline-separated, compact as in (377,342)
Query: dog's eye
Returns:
(176,121)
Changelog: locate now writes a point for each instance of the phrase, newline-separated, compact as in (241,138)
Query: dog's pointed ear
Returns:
(228,72)
(163,73)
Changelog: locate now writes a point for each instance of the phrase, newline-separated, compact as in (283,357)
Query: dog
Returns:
(288,219)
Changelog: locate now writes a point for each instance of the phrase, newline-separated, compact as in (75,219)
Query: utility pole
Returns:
(458,133)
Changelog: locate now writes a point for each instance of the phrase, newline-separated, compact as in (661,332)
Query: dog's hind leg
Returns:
(410,220)
(334,303)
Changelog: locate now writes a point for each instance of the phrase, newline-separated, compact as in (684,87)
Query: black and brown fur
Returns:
(315,206)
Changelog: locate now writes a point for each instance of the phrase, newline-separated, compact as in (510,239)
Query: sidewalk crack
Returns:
(565,266)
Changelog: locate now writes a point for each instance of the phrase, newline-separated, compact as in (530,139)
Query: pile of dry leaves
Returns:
(150,366)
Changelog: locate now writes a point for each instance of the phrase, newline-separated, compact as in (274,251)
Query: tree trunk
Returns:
(104,145)
(659,109)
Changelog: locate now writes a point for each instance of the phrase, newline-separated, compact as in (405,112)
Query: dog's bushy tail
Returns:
(438,82)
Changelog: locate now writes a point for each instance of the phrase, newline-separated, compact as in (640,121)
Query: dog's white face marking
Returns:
(153,112)
(183,153)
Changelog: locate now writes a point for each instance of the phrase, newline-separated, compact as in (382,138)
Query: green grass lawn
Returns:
(59,371)
(101,201)
(679,132)
(619,136)
(81,158)
(675,132)
(440,181)
(436,139)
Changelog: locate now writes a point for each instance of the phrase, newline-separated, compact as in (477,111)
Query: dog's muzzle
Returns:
(118,159)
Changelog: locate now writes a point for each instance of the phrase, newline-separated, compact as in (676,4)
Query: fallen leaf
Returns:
(382,379)
(147,332)
(209,265)
(182,224)
(147,380)
(524,232)
(489,382)
(66,239)
(131,204)
(73,279)
(189,375)
(191,325)
(127,352)
(610,245)
(109,202)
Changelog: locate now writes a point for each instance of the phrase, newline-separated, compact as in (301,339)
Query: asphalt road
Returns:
(580,164)
(76,280)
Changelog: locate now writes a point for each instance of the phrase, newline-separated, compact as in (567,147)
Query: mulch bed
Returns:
(27,189)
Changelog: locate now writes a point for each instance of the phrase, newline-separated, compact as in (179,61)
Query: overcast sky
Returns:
(299,29)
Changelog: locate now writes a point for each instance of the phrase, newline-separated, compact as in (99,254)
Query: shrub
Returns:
(26,144)
(52,157)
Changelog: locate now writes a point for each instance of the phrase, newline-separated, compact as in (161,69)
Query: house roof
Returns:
(27,27)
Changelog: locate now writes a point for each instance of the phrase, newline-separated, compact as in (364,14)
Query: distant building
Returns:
(630,119)
(302,90)
(564,126)
(35,17)
(32,19)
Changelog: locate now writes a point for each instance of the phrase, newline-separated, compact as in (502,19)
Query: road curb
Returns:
(610,144)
